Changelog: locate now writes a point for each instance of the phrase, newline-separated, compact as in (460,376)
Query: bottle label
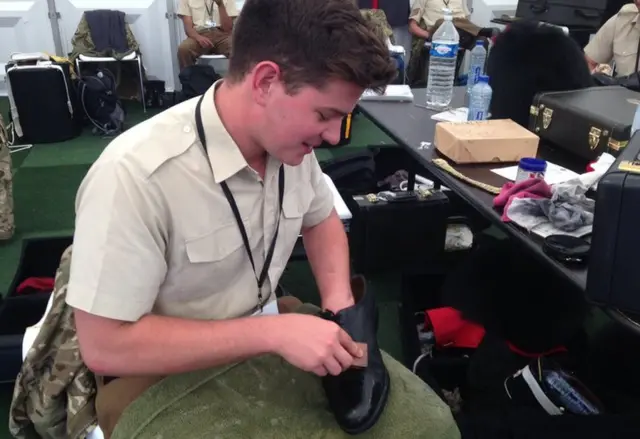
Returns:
(477,71)
(444,50)
(475,114)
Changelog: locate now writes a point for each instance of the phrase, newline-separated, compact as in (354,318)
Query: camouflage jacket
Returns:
(378,19)
(54,392)
(83,44)
(7,222)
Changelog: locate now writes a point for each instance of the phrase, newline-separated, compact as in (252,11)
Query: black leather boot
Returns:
(357,397)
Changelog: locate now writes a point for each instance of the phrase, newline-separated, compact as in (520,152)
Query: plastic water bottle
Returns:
(478,58)
(442,64)
(479,99)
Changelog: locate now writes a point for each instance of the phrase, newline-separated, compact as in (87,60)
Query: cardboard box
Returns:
(486,141)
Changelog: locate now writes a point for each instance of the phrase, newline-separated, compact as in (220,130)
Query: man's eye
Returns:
(322,117)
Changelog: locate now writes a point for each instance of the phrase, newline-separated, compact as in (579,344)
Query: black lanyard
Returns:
(209,9)
(234,207)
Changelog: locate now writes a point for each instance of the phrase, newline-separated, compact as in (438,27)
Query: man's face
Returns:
(293,124)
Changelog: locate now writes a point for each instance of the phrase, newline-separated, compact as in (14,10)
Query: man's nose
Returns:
(332,134)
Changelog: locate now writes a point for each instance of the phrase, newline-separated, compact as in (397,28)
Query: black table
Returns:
(409,125)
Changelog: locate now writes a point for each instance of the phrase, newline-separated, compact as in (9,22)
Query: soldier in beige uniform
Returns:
(425,13)
(208,25)
(177,219)
(617,41)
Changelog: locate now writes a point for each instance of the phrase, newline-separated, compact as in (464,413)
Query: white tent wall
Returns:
(48,26)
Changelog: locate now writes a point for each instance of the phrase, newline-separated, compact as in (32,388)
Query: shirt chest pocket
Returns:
(197,5)
(218,256)
(625,55)
(294,207)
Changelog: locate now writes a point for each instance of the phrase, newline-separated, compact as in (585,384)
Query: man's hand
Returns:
(219,2)
(314,344)
(204,42)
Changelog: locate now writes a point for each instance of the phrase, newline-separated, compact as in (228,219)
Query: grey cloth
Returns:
(108,30)
(568,209)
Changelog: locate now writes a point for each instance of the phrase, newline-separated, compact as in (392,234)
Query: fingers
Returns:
(350,346)
(333,366)
(320,371)
(344,358)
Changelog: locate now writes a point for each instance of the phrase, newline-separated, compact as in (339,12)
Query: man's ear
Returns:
(265,76)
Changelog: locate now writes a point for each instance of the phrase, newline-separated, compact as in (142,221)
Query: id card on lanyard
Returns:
(209,23)
(260,280)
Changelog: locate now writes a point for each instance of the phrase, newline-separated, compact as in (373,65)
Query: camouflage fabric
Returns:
(127,73)
(83,44)
(417,68)
(378,20)
(418,63)
(7,221)
(54,392)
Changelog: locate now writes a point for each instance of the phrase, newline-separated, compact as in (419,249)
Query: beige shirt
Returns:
(199,10)
(430,11)
(617,40)
(155,233)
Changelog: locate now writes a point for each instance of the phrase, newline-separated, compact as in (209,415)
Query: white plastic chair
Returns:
(133,56)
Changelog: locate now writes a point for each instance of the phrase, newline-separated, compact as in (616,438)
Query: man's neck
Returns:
(228,103)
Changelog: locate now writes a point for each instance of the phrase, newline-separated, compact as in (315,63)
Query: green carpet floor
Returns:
(46,178)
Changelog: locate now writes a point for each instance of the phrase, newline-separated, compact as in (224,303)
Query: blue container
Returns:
(530,167)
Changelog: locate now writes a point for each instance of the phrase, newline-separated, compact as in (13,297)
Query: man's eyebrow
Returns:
(334,111)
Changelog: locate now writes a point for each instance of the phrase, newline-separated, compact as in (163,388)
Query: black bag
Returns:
(43,101)
(353,173)
(405,234)
(100,102)
(612,278)
(196,80)
(571,13)
(585,122)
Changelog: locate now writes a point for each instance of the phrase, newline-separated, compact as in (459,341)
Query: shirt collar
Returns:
(224,155)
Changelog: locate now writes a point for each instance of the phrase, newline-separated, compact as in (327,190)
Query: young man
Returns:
(208,25)
(178,217)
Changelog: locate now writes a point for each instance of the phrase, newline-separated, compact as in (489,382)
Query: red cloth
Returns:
(451,330)
(531,188)
(35,284)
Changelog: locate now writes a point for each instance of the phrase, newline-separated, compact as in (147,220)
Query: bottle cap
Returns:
(479,43)
(483,78)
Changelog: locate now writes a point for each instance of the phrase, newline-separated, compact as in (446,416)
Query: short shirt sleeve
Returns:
(184,9)
(322,202)
(232,9)
(417,10)
(118,261)
(600,48)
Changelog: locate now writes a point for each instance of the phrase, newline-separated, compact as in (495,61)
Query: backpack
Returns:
(100,102)
(7,222)
(353,173)
(196,80)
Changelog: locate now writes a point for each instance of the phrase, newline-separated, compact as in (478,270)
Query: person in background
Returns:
(208,25)
(425,13)
(617,41)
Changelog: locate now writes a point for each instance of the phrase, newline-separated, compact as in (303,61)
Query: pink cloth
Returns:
(531,188)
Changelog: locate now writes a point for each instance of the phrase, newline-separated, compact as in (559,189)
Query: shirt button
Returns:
(187,129)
